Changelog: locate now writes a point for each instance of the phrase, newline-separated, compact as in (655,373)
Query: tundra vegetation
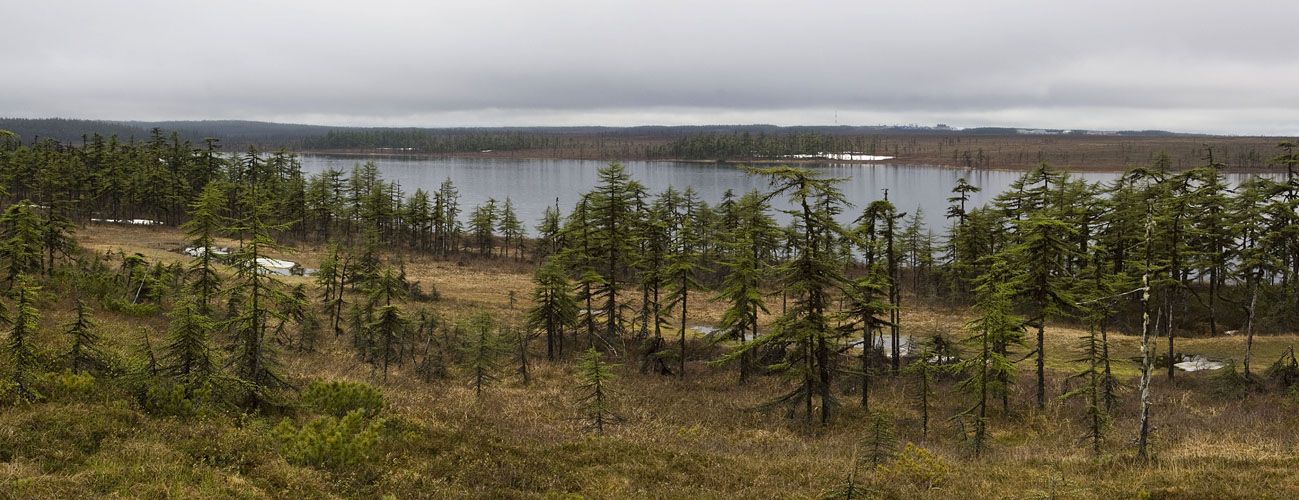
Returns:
(438,351)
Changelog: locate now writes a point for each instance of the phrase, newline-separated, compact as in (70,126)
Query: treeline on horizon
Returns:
(269,136)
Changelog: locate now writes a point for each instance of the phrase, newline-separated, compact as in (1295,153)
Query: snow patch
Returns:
(840,156)
(138,222)
(1197,363)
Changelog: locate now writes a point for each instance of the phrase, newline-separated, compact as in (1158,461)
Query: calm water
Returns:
(535,184)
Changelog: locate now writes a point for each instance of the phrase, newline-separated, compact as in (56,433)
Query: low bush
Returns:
(326,442)
(339,398)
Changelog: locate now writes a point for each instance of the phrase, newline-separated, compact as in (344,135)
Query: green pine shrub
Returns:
(326,442)
(917,467)
(339,398)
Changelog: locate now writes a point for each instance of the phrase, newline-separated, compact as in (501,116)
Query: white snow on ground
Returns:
(841,156)
(1198,363)
(138,222)
(269,263)
(199,251)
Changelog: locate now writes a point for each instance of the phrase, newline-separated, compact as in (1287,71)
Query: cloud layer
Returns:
(1179,65)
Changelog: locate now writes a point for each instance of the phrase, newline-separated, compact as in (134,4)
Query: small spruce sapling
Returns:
(596,384)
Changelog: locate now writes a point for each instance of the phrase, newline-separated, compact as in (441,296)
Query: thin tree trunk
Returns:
(1147,355)
(1249,325)
(684,303)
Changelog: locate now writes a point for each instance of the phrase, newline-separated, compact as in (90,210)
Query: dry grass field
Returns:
(697,437)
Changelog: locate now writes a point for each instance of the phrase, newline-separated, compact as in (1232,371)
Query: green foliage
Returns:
(85,353)
(328,442)
(596,389)
(880,443)
(813,272)
(140,310)
(25,361)
(185,398)
(554,308)
(340,397)
(917,467)
(989,371)
(189,350)
(205,224)
(69,382)
(254,357)
(482,349)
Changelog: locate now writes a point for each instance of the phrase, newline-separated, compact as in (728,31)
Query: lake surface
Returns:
(534,184)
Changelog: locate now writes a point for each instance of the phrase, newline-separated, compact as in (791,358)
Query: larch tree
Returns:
(205,225)
(24,359)
(1044,246)
(482,225)
(512,230)
(482,350)
(85,353)
(989,370)
(390,326)
(654,237)
(811,275)
(20,241)
(1147,335)
(753,236)
(554,308)
(612,219)
(259,291)
(188,353)
(681,273)
(596,385)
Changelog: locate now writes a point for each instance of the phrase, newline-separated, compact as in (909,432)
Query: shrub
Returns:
(327,442)
(340,398)
(140,310)
(917,466)
(73,384)
(11,394)
(161,397)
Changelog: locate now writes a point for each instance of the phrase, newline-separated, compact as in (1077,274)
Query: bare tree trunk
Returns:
(1249,325)
(1147,355)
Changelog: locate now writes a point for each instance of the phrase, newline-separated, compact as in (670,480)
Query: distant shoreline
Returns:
(536,155)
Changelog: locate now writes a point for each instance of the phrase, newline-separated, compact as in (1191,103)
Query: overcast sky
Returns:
(1184,65)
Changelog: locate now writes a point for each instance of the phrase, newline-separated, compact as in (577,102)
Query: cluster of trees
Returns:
(1161,253)
(1155,252)
(742,145)
(429,141)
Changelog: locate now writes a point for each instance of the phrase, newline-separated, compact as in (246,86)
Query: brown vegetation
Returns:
(692,438)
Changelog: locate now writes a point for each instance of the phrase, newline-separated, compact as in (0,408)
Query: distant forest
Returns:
(240,133)
(989,147)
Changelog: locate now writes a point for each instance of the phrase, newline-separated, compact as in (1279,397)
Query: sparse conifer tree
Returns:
(24,361)
(597,390)
(85,354)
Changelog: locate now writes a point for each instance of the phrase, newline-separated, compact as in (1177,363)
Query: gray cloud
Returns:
(1184,65)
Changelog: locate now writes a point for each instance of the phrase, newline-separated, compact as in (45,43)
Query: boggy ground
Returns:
(697,437)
